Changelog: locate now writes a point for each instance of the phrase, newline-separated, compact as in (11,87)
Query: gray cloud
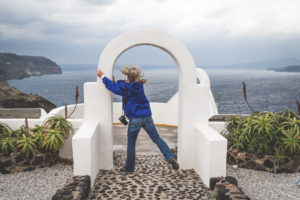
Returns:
(72,31)
(99,2)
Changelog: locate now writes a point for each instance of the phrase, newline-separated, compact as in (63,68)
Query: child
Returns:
(137,110)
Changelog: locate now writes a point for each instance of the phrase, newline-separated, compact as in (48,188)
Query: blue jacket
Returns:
(137,105)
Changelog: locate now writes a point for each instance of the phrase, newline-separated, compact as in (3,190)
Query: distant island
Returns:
(14,66)
(290,68)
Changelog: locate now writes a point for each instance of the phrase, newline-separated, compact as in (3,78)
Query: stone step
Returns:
(153,178)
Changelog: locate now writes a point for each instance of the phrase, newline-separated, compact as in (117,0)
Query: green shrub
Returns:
(60,124)
(27,145)
(266,133)
(53,140)
(8,145)
(49,137)
(279,158)
(20,132)
(38,129)
(4,130)
(214,193)
(291,140)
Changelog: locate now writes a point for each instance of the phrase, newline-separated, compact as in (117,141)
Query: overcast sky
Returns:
(215,32)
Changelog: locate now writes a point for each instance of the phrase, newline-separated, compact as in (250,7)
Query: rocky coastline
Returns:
(14,66)
(11,97)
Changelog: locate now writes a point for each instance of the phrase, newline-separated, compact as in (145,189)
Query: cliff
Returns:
(13,66)
(11,97)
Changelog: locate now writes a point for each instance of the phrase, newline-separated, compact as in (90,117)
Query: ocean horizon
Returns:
(266,90)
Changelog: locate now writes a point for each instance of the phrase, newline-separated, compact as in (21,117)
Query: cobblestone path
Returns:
(153,178)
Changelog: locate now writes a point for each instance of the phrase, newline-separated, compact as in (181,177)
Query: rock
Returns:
(235,191)
(3,83)
(16,169)
(11,97)
(6,164)
(220,186)
(231,180)
(230,186)
(228,189)
(20,158)
(38,160)
(212,183)
(268,163)
(263,162)
(259,161)
(76,188)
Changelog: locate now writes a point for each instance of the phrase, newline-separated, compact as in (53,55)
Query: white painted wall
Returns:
(86,150)
(211,152)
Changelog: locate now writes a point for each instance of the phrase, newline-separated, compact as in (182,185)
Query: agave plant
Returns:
(279,157)
(4,130)
(38,128)
(293,123)
(263,123)
(288,114)
(60,124)
(261,133)
(233,123)
(27,145)
(8,144)
(39,138)
(53,140)
(291,140)
(20,132)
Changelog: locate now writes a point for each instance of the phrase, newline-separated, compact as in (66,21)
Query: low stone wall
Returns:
(266,163)
(76,188)
(20,113)
(227,188)
(18,162)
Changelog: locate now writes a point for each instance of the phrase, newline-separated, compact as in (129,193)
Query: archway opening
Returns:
(162,75)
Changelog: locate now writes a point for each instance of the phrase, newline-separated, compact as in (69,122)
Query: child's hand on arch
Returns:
(99,73)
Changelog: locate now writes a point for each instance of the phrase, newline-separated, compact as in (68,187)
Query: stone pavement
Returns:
(153,178)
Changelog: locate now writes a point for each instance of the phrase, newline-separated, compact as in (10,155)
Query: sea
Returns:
(266,90)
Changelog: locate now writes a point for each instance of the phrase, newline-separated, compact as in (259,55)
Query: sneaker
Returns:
(174,164)
(124,169)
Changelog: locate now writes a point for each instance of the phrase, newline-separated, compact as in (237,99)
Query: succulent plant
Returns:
(60,124)
(53,140)
(266,133)
(27,145)
(4,130)
(8,144)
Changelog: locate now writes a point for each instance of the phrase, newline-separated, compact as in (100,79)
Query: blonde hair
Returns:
(134,74)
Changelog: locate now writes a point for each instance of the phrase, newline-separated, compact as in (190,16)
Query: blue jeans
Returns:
(135,124)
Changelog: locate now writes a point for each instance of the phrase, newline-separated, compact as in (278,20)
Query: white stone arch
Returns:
(198,144)
(182,57)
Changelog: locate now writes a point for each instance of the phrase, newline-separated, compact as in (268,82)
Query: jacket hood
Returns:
(136,87)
